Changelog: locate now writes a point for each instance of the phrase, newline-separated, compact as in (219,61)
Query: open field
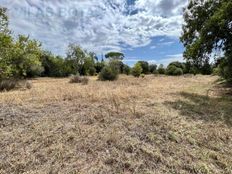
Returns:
(152,125)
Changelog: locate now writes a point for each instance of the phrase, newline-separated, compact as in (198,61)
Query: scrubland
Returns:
(156,124)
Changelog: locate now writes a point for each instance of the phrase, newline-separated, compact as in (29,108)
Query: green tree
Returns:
(115,55)
(4,21)
(207,29)
(137,70)
(26,57)
(126,69)
(145,66)
(153,68)
(75,58)
(161,69)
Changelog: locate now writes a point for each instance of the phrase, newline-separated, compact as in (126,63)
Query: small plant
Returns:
(137,70)
(108,73)
(79,79)
(142,75)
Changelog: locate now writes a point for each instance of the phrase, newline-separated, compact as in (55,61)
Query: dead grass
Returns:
(148,125)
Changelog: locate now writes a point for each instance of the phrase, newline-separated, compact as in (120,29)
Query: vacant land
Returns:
(150,125)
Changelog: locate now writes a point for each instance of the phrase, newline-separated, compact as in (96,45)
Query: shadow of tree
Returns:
(200,107)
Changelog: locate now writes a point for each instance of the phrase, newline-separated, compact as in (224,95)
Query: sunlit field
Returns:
(156,124)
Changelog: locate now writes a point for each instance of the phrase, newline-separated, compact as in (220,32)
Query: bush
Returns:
(142,75)
(92,71)
(137,70)
(108,73)
(126,69)
(10,84)
(161,69)
(174,71)
(79,79)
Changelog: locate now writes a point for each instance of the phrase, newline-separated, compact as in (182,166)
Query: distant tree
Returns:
(126,69)
(25,60)
(99,66)
(145,67)
(54,66)
(4,21)
(207,30)
(76,57)
(137,70)
(161,69)
(115,55)
(153,68)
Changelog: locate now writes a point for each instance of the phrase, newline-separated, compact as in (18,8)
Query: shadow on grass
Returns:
(200,107)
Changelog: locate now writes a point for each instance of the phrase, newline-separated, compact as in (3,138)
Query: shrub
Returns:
(161,69)
(142,75)
(174,71)
(137,70)
(92,71)
(126,69)
(10,84)
(108,73)
(79,79)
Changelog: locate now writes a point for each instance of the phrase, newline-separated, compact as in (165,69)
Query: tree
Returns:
(26,57)
(76,58)
(126,69)
(137,70)
(115,55)
(4,21)
(145,66)
(207,30)
(153,68)
(161,69)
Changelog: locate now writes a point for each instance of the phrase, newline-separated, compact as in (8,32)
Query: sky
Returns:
(142,29)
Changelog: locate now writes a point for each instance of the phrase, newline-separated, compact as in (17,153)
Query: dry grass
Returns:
(148,125)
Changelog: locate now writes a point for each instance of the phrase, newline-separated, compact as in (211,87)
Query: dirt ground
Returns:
(156,124)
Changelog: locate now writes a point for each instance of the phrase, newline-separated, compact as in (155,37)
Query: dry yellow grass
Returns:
(151,125)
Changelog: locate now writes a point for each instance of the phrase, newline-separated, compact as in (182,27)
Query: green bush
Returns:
(108,73)
(142,75)
(126,69)
(92,71)
(161,69)
(174,71)
(137,70)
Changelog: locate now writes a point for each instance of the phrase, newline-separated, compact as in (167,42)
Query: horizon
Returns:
(142,29)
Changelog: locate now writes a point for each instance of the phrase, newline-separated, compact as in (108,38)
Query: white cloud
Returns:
(97,25)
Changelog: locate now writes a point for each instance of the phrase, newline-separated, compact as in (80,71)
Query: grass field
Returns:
(151,125)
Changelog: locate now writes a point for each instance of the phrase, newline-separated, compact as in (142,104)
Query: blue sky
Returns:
(142,29)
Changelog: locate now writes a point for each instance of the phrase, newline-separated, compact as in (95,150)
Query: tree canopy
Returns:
(115,55)
(207,31)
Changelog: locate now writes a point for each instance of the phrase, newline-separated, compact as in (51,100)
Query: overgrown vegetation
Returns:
(207,32)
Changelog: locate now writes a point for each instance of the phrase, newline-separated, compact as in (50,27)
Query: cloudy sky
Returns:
(142,29)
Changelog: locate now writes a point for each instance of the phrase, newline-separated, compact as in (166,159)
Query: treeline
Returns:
(23,57)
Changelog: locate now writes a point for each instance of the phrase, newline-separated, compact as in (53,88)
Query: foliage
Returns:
(126,69)
(161,69)
(91,71)
(4,22)
(115,55)
(99,66)
(137,70)
(153,68)
(173,70)
(54,66)
(207,30)
(108,73)
(145,67)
